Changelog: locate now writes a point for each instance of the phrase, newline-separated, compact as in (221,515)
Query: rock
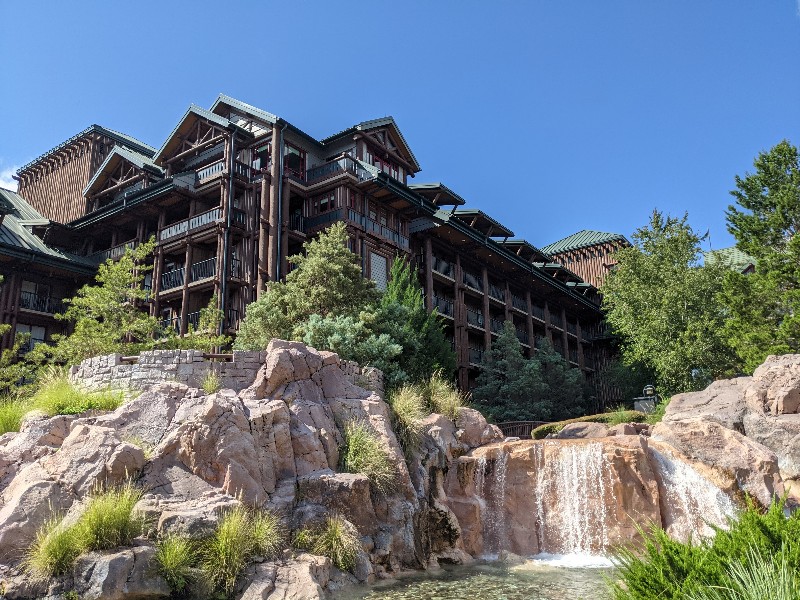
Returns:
(344,493)
(302,579)
(582,430)
(262,583)
(775,386)
(473,430)
(781,435)
(740,462)
(624,429)
(123,575)
(38,436)
(722,401)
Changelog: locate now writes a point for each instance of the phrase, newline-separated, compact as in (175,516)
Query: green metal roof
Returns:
(583,239)
(732,257)
(443,195)
(247,109)
(372,124)
(17,239)
(140,161)
(120,138)
(468,214)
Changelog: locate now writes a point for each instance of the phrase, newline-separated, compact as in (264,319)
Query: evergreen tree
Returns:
(764,308)
(327,280)
(561,385)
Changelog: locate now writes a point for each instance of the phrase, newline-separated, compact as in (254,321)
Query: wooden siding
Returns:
(592,263)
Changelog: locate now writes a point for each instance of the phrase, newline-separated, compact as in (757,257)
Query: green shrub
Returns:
(240,535)
(658,414)
(58,396)
(442,396)
(408,411)
(612,418)
(176,558)
(108,520)
(364,453)
(211,383)
(665,569)
(53,551)
(11,412)
(337,539)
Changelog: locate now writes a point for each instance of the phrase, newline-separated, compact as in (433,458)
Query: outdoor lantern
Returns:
(649,391)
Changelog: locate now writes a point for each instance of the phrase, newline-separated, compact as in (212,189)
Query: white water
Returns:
(494,505)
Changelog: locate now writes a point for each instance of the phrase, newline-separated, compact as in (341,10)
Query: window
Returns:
(294,159)
(36,332)
(262,157)
(378,270)
(326,203)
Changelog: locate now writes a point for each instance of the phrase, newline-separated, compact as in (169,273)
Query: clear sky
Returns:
(551,116)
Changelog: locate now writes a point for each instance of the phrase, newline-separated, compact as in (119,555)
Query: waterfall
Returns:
(494,505)
(690,502)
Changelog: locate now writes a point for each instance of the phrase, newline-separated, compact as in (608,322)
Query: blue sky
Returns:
(550,116)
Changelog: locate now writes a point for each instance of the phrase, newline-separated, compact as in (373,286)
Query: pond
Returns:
(549,579)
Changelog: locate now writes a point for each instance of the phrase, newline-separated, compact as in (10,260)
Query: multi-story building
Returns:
(588,253)
(234,190)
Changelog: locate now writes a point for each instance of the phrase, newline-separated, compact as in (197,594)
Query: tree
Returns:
(510,387)
(665,307)
(764,308)
(561,385)
(204,337)
(107,316)
(327,280)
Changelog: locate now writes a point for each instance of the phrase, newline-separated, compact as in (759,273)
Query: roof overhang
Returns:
(111,162)
(438,193)
(480,221)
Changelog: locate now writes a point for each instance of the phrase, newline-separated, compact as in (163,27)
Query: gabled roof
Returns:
(524,249)
(121,139)
(140,161)
(192,113)
(732,257)
(16,238)
(247,109)
(479,220)
(584,239)
(438,193)
(374,124)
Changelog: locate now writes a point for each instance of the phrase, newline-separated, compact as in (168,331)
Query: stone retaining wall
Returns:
(191,367)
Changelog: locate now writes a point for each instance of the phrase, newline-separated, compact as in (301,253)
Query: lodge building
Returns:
(234,190)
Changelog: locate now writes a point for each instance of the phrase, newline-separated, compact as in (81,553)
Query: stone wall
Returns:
(190,367)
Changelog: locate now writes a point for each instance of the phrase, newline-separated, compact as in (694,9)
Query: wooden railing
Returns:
(190,224)
(520,429)
(115,251)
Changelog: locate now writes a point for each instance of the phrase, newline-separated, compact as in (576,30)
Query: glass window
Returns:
(378,270)
(294,159)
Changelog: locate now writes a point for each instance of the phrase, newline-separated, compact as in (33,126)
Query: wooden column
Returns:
(158,269)
(548,326)
(284,229)
(274,226)
(460,333)
(564,336)
(529,324)
(428,253)
(578,330)
(263,237)
(185,294)
(487,322)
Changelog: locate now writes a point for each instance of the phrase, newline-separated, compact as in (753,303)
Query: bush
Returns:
(58,396)
(337,539)
(442,396)
(667,569)
(628,416)
(240,535)
(211,383)
(364,453)
(176,557)
(408,411)
(53,551)
(108,520)
(11,412)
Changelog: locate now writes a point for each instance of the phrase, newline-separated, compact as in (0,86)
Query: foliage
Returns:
(211,383)
(659,412)
(337,539)
(13,370)
(513,388)
(442,396)
(11,412)
(106,316)
(108,520)
(630,416)
(364,453)
(53,551)
(664,304)
(57,395)
(205,337)
(668,569)
(327,280)
(628,380)
(408,411)
(175,559)
(764,308)
(241,534)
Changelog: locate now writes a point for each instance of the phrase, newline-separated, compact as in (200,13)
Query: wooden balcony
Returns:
(114,252)
(40,303)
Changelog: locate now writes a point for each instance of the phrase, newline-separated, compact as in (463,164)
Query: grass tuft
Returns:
(337,539)
(408,412)
(57,395)
(176,557)
(211,383)
(364,453)
(269,534)
(108,520)
(53,551)
(442,396)
(11,412)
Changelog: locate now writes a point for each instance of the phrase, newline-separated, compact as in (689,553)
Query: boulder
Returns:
(722,402)
(124,575)
(473,429)
(302,579)
(262,582)
(775,387)
(582,430)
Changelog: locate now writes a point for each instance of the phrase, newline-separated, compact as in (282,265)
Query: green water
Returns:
(491,581)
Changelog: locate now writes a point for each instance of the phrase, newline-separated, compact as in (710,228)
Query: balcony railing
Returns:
(325,218)
(190,224)
(573,355)
(172,279)
(343,164)
(232,321)
(472,281)
(296,223)
(496,325)
(173,323)
(475,317)
(519,303)
(443,305)
(40,303)
(523,337)
(243,170)
(555,319)
(210,171)
(114,252)
(572,328)
(443,267)
(475,355)
(203,269)
(497,292)
(193,320)
(538,312)
(238,217)
(356,217)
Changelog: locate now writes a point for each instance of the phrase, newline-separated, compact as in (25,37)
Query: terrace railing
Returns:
(114,252)
(190,224)
(172,279)
(475,317)
(519,303)
(497,292)
(443,305)
(40,303)
(472,281)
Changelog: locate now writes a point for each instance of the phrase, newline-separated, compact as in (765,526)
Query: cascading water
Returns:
(494,506)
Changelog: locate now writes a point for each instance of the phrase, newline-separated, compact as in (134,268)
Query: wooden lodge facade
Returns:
(234,190)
